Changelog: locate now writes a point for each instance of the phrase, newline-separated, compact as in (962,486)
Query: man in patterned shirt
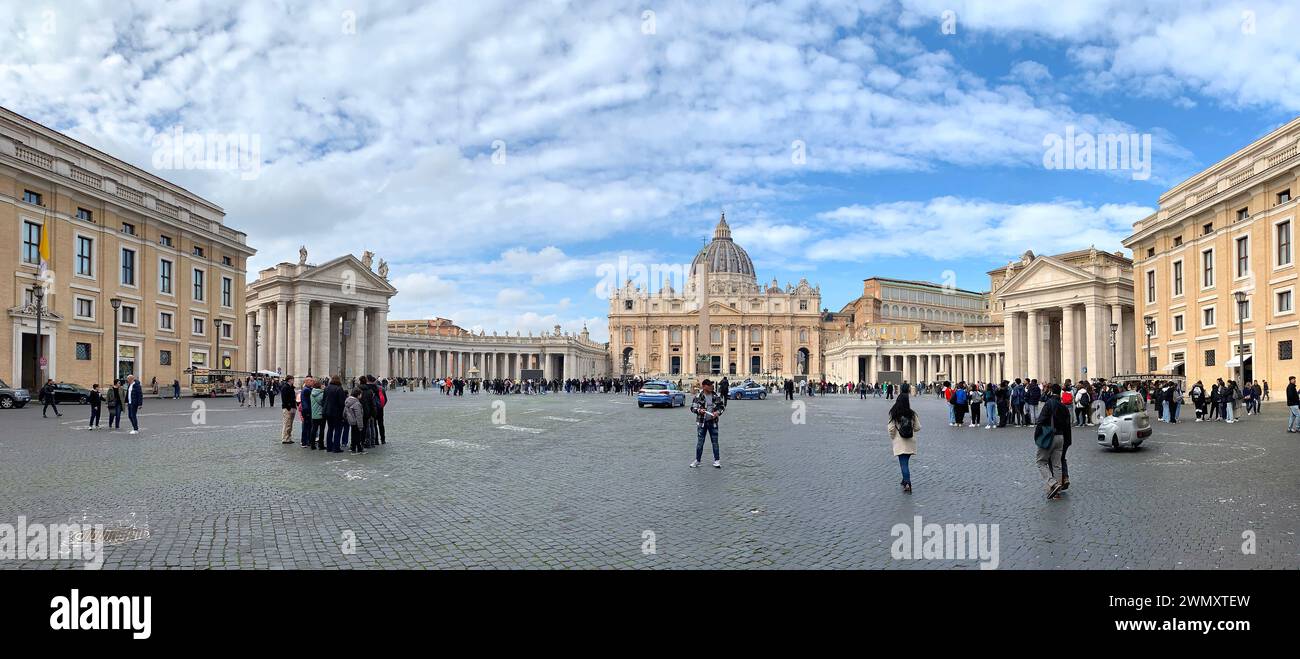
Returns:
(707,406)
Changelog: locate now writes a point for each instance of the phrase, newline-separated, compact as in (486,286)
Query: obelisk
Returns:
(704,342)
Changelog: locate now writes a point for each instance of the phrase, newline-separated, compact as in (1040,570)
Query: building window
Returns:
(1178,278)
(199,326)
(165,241)
(198,251)
(1207,228)
(164,358)
(803,305)
(1151,286)
(1151,252)
(227,330)
(1178,323)
(85,308)
(1209,358)
(1284,303)
(128,228)
(165,321)
(1284,243)
(1207,268)
(1243,256)
(1178,241)
(85,256)
(31,243)
(803,336)
(128,267)
(198,358)
(165,276)
(1242,214)
(1284,350)
(225,260)
(675,335)
(627,305)
(128,314)
(227,292)
(627,335)
(83,214)
(83,352)
(1151,364)
(755,335)
(1207,317)
(1284,196)
(715,336)
(33,198)
(198,285)
(1243,310)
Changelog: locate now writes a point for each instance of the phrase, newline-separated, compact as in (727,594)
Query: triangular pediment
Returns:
(721,308)
(1044,273)
(337,271)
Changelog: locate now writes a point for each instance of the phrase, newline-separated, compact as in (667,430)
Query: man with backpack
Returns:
(959,398)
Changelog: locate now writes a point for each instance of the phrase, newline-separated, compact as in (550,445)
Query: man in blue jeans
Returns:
(1293,402)
(707,407)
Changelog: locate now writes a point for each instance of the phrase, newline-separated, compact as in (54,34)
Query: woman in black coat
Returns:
(332,412)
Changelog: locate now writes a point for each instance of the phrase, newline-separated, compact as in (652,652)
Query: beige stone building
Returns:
(1226,231)
(755,330)
(115,232)
(551,355)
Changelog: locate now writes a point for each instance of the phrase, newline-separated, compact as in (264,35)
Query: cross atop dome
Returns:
(722,232)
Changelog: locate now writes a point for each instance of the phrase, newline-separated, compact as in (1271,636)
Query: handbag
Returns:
(1043,436)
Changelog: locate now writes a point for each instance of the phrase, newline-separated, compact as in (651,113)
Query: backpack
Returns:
(960,396)
(1067,397)
(904,427)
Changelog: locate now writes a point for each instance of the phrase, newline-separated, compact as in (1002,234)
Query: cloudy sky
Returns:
(503,155)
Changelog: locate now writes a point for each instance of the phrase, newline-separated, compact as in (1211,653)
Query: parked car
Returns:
(660,392)
(12,398)
(66,392)
(748,390)
(1128,426)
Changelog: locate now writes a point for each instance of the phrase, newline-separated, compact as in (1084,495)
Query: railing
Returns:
(28,154)
(1283,156)
(130,194)
(496,340)
(86,178)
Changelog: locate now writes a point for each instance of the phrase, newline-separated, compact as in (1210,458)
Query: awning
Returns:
(1171,366)
(1236,361)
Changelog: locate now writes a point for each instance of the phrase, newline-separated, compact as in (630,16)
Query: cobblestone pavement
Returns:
(576,481)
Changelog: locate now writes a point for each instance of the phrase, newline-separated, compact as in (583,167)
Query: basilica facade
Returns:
(732,325)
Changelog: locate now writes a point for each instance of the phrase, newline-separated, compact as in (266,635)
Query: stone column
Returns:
(302,339)
(320,360)
(281,337)
(1113,356)
(1033,341)
(249,354)
(1069,363)
(1009,335)
(1093,318)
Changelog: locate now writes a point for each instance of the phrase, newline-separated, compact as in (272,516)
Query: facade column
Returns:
(281,337)
(1091,324)
(1033,341)
(1113,356)
(1069,364)
(1009,335)
(302,339)
(324,335)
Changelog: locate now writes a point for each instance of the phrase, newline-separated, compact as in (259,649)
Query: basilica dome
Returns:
(723,255)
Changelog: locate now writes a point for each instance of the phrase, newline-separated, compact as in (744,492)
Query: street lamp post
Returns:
(216,344)
(257,343)
(1151,331)
(1114,354)
(1240,297)
(39,294)
(117,304)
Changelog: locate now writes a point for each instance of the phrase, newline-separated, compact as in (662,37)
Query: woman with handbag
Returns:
(902,427)
(1051,436)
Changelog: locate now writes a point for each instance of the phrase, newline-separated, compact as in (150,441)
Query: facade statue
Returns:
(383,268)
(302,255)
(367,257)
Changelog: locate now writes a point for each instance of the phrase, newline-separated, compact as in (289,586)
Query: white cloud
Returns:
(950,228)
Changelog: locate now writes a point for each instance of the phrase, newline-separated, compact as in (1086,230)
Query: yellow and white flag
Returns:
(45,250)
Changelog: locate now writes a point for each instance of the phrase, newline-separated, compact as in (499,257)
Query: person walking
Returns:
(355,417)
(48,400)
(95,399)
(992,416)
(261,393)
(134,399)
(334,404)
(303,405)
(286,411)
(1052,425)
(176,389)
(115,401)
(708,407)
(1293,404)
(959,404)
(902,427)
(789,389)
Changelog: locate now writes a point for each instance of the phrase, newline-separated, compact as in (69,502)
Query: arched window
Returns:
(803,336)
(627,335)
